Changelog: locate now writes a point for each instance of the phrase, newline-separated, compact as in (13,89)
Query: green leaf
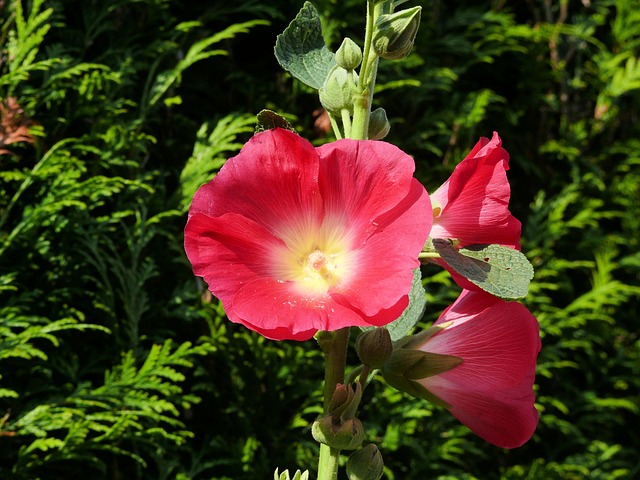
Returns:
(268,119)
(301,49)
(400,327)
(501,271)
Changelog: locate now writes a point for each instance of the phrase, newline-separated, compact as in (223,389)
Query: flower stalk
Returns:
(334,346)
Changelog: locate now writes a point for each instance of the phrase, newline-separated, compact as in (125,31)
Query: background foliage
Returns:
(116,363)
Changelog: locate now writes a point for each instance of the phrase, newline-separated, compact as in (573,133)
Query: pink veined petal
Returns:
(272,181)
(228,251)
(474,201)
(361,180)
(505,421)
(279,312)
(491,391)
(389,255)
(369,186)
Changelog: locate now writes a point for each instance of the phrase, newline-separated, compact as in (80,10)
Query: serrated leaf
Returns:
(400,327)
(501,271)
(301,49)
(268,119)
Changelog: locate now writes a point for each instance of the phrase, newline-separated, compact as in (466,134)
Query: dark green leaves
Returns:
(501,271)
(301,49)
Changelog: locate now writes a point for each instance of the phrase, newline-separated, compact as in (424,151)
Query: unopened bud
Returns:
(285,475)
(349,55)
(365,464)
(338,90)
(395,33)
(347,435)
(378,124)
(374,347)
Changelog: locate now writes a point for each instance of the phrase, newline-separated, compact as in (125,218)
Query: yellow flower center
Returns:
(315,261)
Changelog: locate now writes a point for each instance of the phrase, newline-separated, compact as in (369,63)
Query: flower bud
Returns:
(285,475)
(337,92)
(349,55)
(365,464)
(374,347)
(378,124)
(395,33)
(347,435)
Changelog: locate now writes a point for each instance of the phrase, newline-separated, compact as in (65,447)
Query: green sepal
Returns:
(416,364)
(502,271)
(268,120)
(414,341)
(285,475)
(347,435)
(412,388)
(301,49)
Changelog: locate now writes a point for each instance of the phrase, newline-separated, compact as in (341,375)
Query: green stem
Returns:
(328,463)
(334,125)
(346,122)
(334,346)
(368,71)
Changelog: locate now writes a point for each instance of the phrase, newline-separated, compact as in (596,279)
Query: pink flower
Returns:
(473,204)
(294,239)
(491,390)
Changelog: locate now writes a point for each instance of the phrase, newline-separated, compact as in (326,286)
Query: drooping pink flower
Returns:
(491,390)
(294,239)
(472,206)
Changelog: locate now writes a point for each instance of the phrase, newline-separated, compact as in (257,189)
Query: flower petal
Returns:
(369,186)
(228,244)
(361,180)
(272,181)
(279,312)
(491,391)
(474,202)
(390,254)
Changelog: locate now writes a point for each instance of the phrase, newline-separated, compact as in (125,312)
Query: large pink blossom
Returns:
(294,239)
(491,390)
(472,206)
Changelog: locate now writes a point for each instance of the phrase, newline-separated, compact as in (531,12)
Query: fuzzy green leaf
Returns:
(501,271)
(413,313)
(301,49)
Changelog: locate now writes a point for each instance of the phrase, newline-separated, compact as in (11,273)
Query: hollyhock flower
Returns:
(472,206)
(490,390)
(294,239)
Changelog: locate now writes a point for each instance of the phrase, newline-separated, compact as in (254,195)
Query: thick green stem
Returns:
(329,462)
(334,346)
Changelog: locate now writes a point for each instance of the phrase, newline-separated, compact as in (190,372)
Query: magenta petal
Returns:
(361,180)
(266,305)
(491,391)
(390,254)
(272,181)
(230,243)
(369,186)
(473,204)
